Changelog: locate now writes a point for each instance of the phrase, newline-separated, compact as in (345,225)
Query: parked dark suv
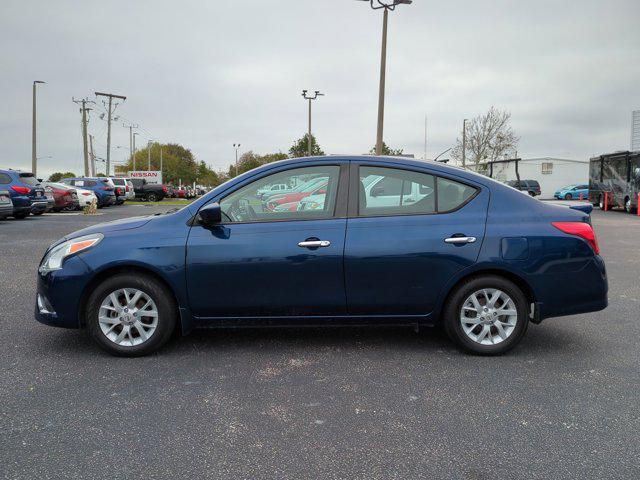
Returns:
(532,187)
(151,192)
(26,193)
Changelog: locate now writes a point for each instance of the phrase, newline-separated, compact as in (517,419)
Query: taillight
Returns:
(86,194)
(580,229)
(164,188)
(21,190)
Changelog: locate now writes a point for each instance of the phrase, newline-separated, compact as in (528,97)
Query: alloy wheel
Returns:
(488,316)
(128,317)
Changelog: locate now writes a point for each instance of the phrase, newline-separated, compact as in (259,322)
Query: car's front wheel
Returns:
(130,315)
(486,315)
(568,196)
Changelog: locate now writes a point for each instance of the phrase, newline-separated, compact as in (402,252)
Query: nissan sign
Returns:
(150,176)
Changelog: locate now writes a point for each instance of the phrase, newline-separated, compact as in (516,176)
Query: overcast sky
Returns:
(208,74)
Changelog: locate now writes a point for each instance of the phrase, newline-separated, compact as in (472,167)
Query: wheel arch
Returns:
(184,323)
(518,280)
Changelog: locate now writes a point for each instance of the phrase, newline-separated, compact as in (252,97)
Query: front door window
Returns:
(306,194)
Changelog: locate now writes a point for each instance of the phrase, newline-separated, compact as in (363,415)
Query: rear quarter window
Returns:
(452,195)
(5,179)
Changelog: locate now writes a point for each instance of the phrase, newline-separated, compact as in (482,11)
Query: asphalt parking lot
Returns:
(319,403)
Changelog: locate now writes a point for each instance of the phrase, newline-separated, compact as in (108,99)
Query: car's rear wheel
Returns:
(130,315)
(152,197)
(486,315)
(568,196)
(20,216)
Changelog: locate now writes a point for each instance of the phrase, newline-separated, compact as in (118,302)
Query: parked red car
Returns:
(294,197)
(64,198)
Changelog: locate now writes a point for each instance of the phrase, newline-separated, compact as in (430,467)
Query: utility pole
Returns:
(160,159)
(148,155)
(85,143)
(110,96)
(310,98)
(134,150)
(425,137)
(464,143)
(92,156)
(387,5)
(34,158)
(131,143)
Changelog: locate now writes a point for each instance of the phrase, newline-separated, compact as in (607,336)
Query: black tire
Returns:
(152,197)
(451,314)
(167,313)
(37,214)
(568,196)
(20,216)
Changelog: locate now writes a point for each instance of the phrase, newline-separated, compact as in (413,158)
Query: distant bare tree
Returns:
(489,137)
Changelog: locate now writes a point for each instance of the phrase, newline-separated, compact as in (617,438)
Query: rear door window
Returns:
(5,179)
(390,191)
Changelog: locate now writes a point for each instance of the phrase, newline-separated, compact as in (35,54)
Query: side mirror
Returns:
(210,215)
(377,191)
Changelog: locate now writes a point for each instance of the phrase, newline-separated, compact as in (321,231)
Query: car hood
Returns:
(114,226)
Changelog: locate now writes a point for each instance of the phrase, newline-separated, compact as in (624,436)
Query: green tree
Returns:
(301,147)
(178,164)
(386,150)
(249,161)
(57,176)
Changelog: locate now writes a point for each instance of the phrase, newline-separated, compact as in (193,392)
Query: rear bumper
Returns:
(39,206)
(6,210)
(588,291)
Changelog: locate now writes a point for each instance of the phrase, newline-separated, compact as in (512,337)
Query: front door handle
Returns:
(314,243)
(459,240)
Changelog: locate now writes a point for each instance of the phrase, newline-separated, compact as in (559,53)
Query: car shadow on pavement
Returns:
(538,340)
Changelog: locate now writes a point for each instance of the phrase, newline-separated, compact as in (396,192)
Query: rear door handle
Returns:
(459,240)
(314,243)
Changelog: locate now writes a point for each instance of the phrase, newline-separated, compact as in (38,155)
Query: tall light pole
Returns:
(387,5)
(236,146)
(464,143)
(310,98)
(34,158)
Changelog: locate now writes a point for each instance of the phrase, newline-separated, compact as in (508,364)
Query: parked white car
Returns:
(85,197)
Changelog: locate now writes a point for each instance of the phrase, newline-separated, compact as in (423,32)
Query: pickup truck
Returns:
(151,192)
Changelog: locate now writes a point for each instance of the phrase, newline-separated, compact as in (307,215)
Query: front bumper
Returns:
(58,301)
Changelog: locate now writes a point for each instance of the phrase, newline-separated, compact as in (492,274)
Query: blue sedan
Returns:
(430,244)
(573,192)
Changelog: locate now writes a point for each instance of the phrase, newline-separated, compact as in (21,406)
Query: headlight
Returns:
(54,258)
